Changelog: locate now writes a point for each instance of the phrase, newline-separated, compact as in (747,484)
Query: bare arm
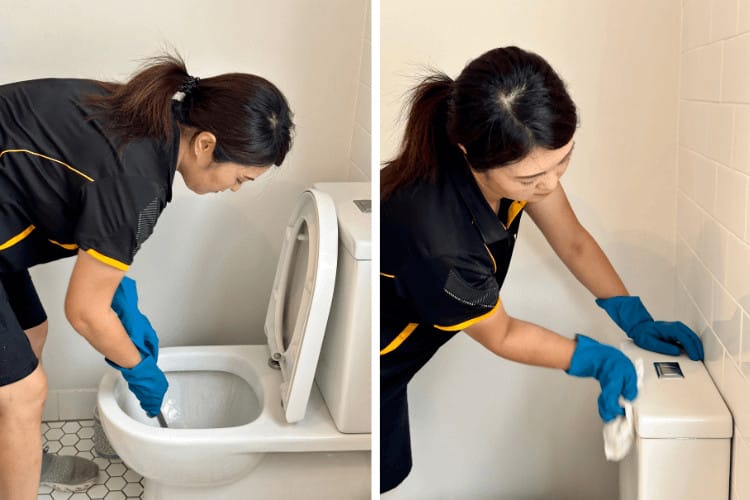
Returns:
(88,307)
(575,246)
(522,341)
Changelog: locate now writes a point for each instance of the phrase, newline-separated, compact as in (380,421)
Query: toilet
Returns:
(283,420)
(683,432)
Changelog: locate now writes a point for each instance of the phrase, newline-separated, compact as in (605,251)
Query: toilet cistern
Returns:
(683,432)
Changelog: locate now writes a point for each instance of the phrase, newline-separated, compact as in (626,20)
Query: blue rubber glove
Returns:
(147,382)
(614,371)
(140,331)
(658,336)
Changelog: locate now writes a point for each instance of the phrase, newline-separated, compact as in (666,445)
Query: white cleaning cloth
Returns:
(619,433)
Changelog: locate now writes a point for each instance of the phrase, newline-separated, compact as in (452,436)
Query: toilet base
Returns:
(313,475)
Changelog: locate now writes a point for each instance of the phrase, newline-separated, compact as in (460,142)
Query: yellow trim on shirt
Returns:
(47,158)
(494,264)
(107,260)
(66,246)
(17,237)
(513,210)
(469,322)
(388,275)
(399,338)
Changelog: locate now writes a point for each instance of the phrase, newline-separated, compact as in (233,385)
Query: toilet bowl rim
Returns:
(257,374)
(268,432)
(264,434)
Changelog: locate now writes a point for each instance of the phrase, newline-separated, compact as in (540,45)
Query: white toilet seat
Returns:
(313,229)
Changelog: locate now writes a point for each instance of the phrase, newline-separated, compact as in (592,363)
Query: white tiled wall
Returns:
(713,204)
(361,137)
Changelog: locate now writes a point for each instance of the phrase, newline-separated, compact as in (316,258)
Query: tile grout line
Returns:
(75,437)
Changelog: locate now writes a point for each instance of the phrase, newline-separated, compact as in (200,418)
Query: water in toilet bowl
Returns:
(192,398)
(172,414)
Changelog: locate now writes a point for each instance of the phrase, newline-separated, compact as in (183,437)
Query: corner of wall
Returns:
(713,204)
(360,168)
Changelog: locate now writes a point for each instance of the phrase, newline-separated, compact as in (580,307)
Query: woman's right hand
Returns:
(147,382)
(140,331)
(614,371)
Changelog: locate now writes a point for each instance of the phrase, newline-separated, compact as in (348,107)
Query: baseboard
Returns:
(69,404)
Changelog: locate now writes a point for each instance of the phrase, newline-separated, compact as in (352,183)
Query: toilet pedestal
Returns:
(301,476)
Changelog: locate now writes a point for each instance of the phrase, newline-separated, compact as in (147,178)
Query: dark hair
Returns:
(503,104)
(248,115)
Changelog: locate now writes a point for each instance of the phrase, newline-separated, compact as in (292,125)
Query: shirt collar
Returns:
(172,154)
(489,225)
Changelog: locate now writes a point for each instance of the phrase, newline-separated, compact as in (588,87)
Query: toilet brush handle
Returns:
(162,420)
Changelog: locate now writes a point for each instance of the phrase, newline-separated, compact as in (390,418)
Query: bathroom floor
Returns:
(75,437)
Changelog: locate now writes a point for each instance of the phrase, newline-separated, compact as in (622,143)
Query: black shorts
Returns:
(20,309)
(395,441)
(397,367)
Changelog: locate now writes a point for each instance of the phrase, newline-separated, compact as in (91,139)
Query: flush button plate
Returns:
(668,369)
(365,206)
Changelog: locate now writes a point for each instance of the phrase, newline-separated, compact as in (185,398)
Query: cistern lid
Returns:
(301,297)
(353,202)
(677,398)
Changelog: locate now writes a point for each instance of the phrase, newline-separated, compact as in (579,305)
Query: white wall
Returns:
(484,427)
(713,204)
(205,274)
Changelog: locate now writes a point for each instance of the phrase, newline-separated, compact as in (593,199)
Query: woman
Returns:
(86,168)
(477,153)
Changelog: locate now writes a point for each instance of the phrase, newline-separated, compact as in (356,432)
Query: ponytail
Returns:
(425,139)
(249,116)
(142,107)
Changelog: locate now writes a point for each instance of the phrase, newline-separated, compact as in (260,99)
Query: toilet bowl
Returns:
(243,417)
(683,432)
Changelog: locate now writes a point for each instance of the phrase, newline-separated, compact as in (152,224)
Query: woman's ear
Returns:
(204,144)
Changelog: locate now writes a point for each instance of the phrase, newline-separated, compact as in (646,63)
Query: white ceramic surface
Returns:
(683,434)
(227,407)
(343,374)
(681,407)
(220,454)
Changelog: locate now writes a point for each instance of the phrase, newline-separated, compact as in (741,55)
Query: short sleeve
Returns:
(118,214)
(448,292)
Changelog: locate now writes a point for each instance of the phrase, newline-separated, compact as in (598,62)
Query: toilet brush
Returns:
(162,420)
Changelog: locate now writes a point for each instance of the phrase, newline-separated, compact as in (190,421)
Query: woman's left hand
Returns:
(659,336)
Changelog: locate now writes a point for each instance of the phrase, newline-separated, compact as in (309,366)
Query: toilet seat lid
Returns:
(301,297)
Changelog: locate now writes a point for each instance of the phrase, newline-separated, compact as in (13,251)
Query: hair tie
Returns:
(186,88)
(189,84)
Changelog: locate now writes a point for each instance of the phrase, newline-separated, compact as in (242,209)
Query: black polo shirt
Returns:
(65,185)
(444,252)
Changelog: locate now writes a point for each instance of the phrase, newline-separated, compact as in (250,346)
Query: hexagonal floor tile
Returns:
(71,427)
(115,481)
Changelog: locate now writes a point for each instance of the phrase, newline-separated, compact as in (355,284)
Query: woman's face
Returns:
(530,179)
(216,177)
(202,174)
